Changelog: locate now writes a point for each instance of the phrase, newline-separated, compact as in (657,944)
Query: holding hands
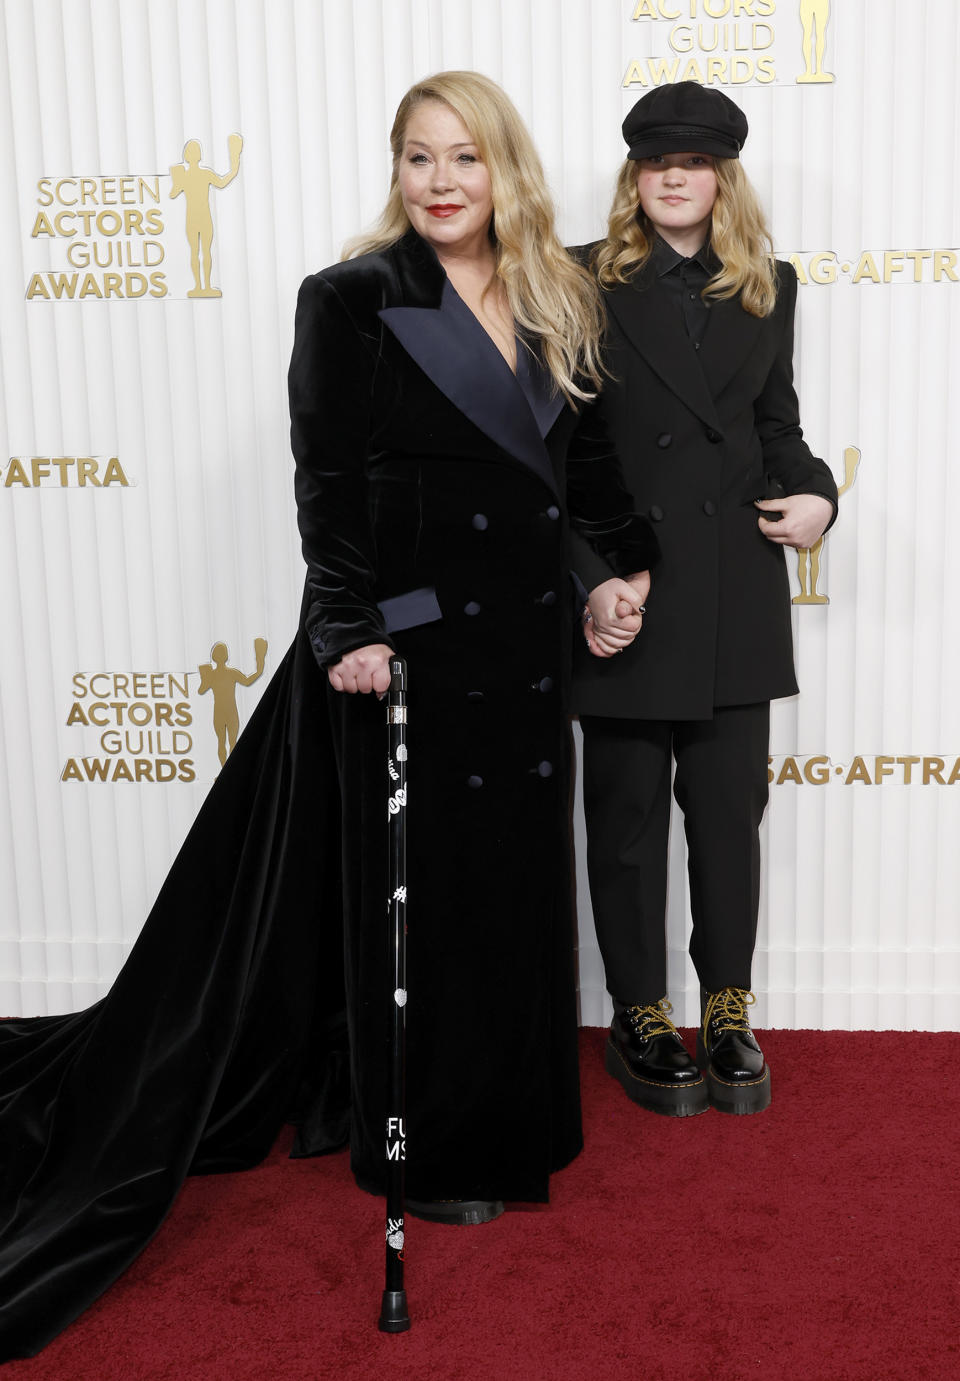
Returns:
(612,618)
(614,613)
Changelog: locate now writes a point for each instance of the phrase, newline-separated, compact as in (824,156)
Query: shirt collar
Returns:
(665,258)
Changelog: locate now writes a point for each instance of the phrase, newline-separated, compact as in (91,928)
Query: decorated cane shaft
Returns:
(394,1317)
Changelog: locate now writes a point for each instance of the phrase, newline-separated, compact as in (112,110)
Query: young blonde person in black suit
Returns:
(702,409)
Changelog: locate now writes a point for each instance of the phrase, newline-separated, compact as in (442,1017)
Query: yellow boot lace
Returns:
(653,1020)
(728,1009)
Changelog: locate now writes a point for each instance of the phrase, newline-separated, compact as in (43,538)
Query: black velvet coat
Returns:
(433,490)
(701,434)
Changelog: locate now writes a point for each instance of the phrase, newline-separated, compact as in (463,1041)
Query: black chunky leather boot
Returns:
(738,1080)
(646,1055)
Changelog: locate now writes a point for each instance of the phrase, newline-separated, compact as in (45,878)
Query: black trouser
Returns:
(721,786)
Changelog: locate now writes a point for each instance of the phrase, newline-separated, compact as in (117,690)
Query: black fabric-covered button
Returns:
(714,436)
(480,521)
(475,695)
(545,684)
(472,607)
(549,598)
(553,512)
(709,508)
(664,440)
(656,513)
(475,781)
(545,769)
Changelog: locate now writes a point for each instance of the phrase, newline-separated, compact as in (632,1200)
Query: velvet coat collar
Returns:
(440,334)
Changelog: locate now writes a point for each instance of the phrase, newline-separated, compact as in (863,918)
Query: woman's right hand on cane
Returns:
(365,669)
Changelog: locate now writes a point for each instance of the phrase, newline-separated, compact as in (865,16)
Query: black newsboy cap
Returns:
(685,117)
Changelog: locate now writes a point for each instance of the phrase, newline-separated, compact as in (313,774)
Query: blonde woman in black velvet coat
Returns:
(445,443)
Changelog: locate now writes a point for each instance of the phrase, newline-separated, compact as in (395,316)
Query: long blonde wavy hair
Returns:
(739,238)
(551,297)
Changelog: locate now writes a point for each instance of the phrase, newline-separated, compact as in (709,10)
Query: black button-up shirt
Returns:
(684,280)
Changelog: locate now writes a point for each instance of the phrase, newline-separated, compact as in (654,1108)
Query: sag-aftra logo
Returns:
(148,727)
(730,42)
(117,237)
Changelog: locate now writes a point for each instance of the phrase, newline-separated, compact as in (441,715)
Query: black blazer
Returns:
(701,434)
(416,450)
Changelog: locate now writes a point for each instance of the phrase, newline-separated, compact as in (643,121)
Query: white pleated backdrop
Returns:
(113,593)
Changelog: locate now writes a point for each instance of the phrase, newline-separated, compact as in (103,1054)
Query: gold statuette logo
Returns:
(814,16)
(194,180)
(223,680)
(808,558)
(107,238)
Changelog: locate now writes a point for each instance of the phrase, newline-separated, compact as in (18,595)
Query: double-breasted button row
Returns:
(474,607)
(665,439)
(656,515)
(543,769)
(544,685)
(481,522)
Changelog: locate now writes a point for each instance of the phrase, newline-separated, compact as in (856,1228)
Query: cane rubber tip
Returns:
(394,1317)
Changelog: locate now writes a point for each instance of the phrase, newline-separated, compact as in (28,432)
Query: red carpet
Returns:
(818,1241)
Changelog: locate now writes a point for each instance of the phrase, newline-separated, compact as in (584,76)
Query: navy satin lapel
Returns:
(546,402)
(455,352)
(643,312)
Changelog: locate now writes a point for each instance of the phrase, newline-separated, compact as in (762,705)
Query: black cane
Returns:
(394,1317)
